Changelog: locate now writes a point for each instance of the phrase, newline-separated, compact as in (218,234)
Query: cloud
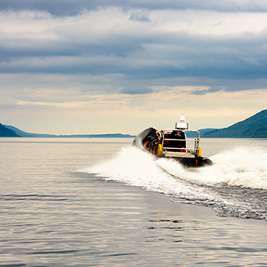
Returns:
(72,8)
(145,59)
(108,42)
(204,91)
(159,109)
(140,15)
(136,90)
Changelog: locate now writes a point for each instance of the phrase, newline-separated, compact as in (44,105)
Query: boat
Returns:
(180,144)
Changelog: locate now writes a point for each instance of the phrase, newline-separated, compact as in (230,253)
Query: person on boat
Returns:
(176,143)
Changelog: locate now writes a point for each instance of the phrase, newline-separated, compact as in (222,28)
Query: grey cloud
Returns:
(212,89)
(139,16)
(66,7)
(149,57)
(70,7)
(144,57)
(136,90)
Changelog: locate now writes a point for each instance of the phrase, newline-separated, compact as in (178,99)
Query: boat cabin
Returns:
(180,143)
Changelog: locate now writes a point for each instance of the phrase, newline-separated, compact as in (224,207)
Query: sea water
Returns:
(101,202)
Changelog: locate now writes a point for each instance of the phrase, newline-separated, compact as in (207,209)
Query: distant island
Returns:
(252,127)
(11,131)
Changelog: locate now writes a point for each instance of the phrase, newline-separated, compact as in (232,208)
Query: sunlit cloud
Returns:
(209,22)
(164,106)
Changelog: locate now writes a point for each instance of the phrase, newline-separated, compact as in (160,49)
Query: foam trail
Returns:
(235,185)
(242,167)
(238,167)
(135,167)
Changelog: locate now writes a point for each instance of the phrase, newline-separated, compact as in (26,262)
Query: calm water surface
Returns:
(100,202)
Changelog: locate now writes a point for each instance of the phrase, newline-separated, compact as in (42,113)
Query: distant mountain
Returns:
(5,132)
(21,133)
(25,134)
(252,127)
(206,130)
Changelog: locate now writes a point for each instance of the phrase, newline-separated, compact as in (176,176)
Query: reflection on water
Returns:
(52,215)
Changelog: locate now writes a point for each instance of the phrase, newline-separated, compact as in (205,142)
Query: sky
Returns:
(113,66)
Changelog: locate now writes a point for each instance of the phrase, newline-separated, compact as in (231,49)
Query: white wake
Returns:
(238,167)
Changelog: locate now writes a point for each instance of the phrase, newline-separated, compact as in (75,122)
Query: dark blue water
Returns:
(91,202)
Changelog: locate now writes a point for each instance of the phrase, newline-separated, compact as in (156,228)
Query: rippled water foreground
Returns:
(98,202)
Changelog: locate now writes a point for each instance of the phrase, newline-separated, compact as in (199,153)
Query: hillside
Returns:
(206,130)
(25,134)
(252,127)
(5,132)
